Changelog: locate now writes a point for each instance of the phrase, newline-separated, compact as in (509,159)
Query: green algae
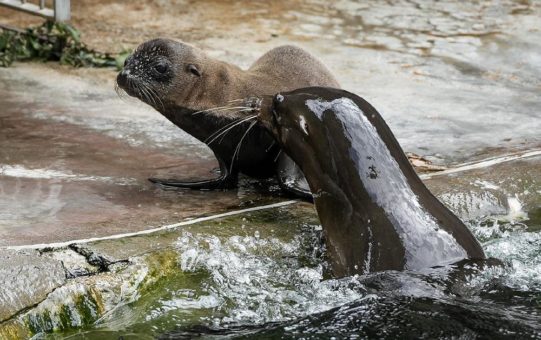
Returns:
(13,329)
(160,265)
(84,311)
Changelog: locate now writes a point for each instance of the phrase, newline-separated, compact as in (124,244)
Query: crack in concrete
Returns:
(95,259)
(30,307)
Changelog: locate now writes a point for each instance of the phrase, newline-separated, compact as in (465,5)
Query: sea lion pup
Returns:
(375,211)
(205,97)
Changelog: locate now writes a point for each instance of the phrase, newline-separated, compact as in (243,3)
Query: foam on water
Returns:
(520,250)
(258,280)
(252,280)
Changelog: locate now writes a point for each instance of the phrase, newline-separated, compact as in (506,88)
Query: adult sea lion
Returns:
(204,97)
(375,211)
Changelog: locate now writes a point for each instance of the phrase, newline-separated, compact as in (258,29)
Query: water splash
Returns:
(260,280)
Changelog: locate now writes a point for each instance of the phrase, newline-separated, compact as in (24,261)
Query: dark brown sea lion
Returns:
(375,211)
(204,97)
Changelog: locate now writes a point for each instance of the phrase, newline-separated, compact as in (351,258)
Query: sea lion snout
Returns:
(122,79)
(265,108)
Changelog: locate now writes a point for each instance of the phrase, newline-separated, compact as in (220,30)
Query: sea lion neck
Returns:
(219,78)
(195,122)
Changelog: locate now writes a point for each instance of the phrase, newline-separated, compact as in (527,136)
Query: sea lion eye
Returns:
(161,68)
(194,70)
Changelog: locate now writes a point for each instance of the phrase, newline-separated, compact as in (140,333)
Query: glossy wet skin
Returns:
(297,134)
(375,211)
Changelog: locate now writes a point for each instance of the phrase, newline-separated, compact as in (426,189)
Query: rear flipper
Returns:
(291,179)
(227,180)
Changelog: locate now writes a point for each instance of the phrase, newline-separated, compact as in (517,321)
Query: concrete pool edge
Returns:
(151,230)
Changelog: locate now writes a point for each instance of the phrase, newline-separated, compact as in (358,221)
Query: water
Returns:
(242,284)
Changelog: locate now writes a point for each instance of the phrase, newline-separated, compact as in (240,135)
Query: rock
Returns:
(26,279)
(74,263)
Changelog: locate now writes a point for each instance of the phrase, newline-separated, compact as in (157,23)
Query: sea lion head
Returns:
(161,72)
(298,130)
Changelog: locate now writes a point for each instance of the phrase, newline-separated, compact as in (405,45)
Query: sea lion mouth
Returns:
(134,87)
(264,108)
(128,84)
(123,84)
(253,102)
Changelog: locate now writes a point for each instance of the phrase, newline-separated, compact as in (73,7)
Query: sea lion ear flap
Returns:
(194,70)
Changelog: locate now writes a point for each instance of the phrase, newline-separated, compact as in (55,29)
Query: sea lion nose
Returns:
(122,78)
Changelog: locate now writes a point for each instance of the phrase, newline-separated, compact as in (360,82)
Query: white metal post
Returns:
(61,10)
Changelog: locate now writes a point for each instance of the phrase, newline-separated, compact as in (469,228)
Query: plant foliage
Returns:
(53,41)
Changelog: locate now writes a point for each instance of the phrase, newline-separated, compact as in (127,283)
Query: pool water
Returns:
(276,284)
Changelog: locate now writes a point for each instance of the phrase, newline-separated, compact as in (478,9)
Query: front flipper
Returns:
(291,179)
(227,180)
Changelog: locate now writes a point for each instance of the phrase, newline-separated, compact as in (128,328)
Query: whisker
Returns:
(235,100)
(222,129)
(157,97)
(144,88)
(270,146)
(231,127)
(237,149)
(146,95)
(220,108)
(230,114)
(278,155)
(154,96)
(120,92)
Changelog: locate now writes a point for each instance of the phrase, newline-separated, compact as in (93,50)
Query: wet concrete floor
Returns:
(67,174)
